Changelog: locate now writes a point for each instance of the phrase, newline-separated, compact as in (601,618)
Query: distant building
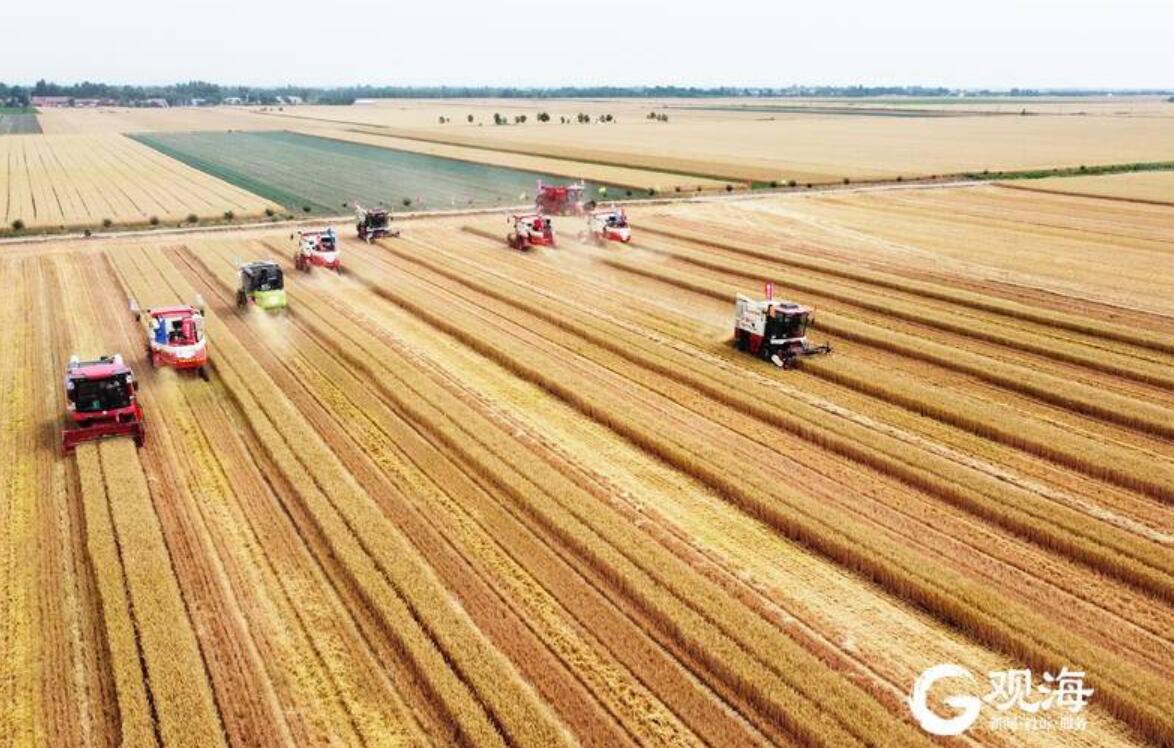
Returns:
(52,101)
(197,102)
(232,101)
(159,103)
(289,100)
(90,103)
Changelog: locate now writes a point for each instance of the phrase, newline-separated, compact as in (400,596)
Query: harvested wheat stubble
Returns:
(519,367)
(1128,468)
(463,495)
(365,700)
(717,644)
(181,699)
(610,339)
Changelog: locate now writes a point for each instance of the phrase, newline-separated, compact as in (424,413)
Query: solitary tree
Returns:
(469,119)
(543,117)
(498,119)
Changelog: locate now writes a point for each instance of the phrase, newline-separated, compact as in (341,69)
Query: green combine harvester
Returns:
(262,283)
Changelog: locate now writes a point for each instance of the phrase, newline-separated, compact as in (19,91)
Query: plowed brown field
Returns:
(463,495)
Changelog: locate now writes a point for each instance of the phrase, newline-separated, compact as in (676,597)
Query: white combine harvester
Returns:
(607,225)
(774,329)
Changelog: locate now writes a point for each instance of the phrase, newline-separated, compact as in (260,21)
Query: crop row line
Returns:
(894,567)
(1006,307)
(1106,461)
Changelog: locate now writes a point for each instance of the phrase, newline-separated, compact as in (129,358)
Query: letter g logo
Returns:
(969,706)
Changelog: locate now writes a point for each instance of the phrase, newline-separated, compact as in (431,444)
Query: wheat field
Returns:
(74,181)
(462,495)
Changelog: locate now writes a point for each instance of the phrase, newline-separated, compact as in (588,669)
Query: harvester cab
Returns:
(775,330)
(261,283)
(609,225)
(175,335)
(373,223)
(317,248)
(561,199)
(100,402)
(531,230)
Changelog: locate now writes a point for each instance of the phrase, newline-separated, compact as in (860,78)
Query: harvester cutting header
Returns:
(774,329)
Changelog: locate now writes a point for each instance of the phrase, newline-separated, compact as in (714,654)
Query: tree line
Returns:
(214,93)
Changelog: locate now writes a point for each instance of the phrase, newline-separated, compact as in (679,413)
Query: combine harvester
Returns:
(531,230)
(100,402)
(261,283)
(560,200)
(175,336)
(609,225)
(373,223)
(775,330)
(317,248)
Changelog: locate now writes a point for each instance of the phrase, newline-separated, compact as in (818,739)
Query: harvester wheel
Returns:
(242,299)
(203,373)
(741,342)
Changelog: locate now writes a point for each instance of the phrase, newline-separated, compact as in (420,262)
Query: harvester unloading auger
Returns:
(774,329)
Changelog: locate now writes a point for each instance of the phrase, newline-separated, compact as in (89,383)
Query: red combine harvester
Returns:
(531,230)
(175,336)
(560,200)
(317,248)
(774,330)
(610,225)
(373,223)
(100,402)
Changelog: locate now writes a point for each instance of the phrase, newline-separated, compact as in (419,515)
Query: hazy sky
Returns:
(996,43)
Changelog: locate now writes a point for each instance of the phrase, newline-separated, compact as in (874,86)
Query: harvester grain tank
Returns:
(774,329)
(100,402)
